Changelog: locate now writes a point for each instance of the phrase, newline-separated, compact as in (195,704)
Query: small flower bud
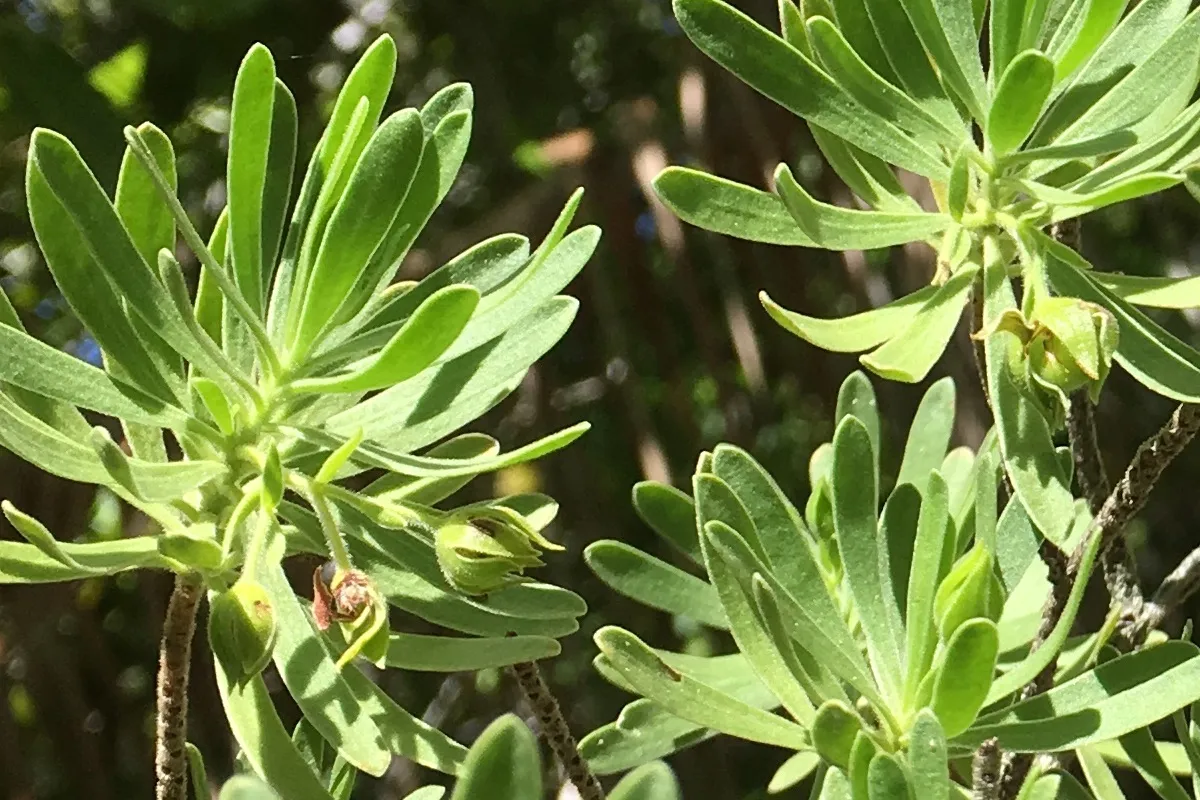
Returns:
(475,562)
(242,629)
(349,598)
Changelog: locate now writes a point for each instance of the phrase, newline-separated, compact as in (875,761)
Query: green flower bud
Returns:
(242,629)
(1072,345)
(477,562)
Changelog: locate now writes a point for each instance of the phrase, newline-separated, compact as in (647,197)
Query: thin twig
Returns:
(174,659)
(985,771)
(1120,570)
(556,731)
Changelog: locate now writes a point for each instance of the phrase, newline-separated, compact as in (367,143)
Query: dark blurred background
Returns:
(671,352)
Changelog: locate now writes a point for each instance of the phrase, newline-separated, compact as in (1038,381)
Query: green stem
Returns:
(239,514)
(337,545)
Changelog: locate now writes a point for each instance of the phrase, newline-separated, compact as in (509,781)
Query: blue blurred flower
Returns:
(87,350)
(644,226)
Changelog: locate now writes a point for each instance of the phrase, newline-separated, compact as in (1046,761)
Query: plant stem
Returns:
(985,771)
(174,660)
(1120,571)
(556,731)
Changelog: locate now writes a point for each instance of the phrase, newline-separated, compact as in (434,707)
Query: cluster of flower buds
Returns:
(350,599)
(482,549)
(242,629)
(1069,345)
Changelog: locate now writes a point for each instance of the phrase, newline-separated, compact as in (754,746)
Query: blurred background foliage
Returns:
(671,352)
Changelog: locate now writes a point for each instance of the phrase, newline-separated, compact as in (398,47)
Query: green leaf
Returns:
(450,654)
(442,399)
(854,22)
(428,491)
(1100,145)
(142,211)
(1119,696)
(653,781)
(48,371)
(371,78)
(835,228)
(1139,34)
(264,741)
(923,580)
(871,90)
(428,793)
(655,583)
(317,685)
(959,187)
(726,207)
(798,767)
(1154,356)
(753,638)
(782,73)
(1020,96)
(886,779)
(929,435)
(1080,41)
(857,332)
(854,498)
(834,731)
(966,675)
(25,563)
(1058,786)
(910,354)
(947,30)
(1139,746)
(1139,93)
(671,514)
(277,183)
(1025,440)
(927,758)
(690,699)
(196,771)
(1100,778)
(1004,31)
(856,398)
(250,123)
(836,786)
(360,220)
(421,340)
(39,444)
(246,787)
(503,762)
(869,177)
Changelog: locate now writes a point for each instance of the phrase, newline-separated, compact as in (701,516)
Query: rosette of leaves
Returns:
(892,632)
(280,408)
(1078,105)
(504,762)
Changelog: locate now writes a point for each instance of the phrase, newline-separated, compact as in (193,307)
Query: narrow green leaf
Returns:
(655,583)
(869,177)
(690,699)
(1139,746)
(277,184)
(854,498)
(834,731)
(250,123)
(671,514)
(966,675)
(420,341)
(1100,778)
(25,563)
(503,762)
(909,59)
(835,228)
(372,79)
(856,398)
(428,491)
(726,207)
(1020,96)
(423,653)
(197,772)
(911,353)
(1004,31)
(653,781)
(1074,45)
(782,73)
(836,786)
(923,580)
(857,332)
(798,767)
(362,217)
(947,30)
(929,435)
(264,741)
(871,90)
(854,21)
(886,779)
(1119,696)
(1035,662)
(927,758)
(959,186)
(428,793)
(749,632)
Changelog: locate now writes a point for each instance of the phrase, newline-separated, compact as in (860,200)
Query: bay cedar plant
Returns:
(297,402)
(919,641)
